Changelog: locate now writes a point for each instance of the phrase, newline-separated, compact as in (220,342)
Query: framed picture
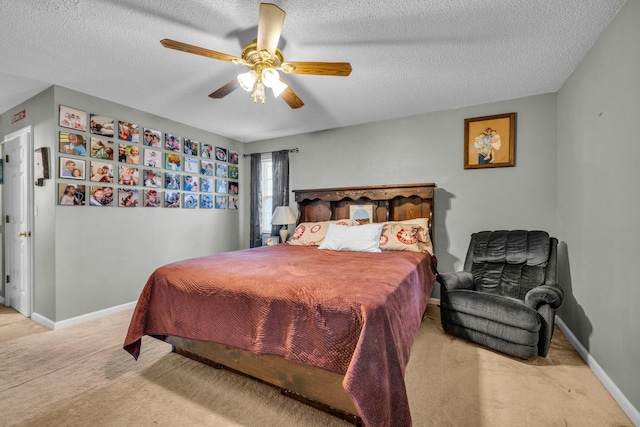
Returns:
(190,200)
(72,143)
(206,150)
(191,147)
(101,172)
(172,199)
(101,196)
(152,158)
(221,154)
(128,132)
(72,118)
(101,125)
(101,149)
(234,157)
(489,141)
(270,240)
(71,168)
(151,138)
(172,161)
(233,172)
(152,199)
(172,142)
(172,181)
(362,214)
(206,168)
(221,202)
(206,185)
(206,201)
(71,194)
(233,202)
(191,165)
(128,197)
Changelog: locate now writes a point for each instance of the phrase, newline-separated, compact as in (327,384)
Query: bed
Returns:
(329,327)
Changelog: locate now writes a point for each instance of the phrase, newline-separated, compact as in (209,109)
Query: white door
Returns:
(18,220)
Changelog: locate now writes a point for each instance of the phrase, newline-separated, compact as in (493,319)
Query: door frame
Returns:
(30,217)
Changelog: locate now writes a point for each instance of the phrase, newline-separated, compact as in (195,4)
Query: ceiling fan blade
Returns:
(318,68)
(189,48)
(270,22)
(290,97)
(225,90)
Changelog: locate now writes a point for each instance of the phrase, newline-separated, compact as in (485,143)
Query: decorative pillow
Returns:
(400,237)
(363,238)
(312,233)
(424,240)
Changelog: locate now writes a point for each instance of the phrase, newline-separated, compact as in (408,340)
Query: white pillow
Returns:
(363,238)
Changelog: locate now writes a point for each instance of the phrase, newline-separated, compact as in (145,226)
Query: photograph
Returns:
(101,125)
(221,202)
(190,201)
(221,154)
(128,197)
(128,132)
(190,183)
(172,142)
(172,199)
(191,147)
(206,185)
(233,202)
(221,186)
(129,154)
(152,138)
(172,181)
(489,141)
(362,214)
(205,150)
(270,240)
(191,164)
(101,149)
(128,175)
(152,178)
(101,172)
(234,157)
(233,187)
(71,168)
(72,143)
(206,168)
(172,161)
(101,196)
(206,201)
(71,194)
(233,172)
(152,158)
(72,118)
(152,199)
(221,170)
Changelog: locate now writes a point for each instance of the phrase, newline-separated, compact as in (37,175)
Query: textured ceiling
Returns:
(408,56)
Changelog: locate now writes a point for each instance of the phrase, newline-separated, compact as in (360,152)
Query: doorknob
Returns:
(24,234)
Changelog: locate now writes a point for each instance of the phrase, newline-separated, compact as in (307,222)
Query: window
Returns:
(266,182)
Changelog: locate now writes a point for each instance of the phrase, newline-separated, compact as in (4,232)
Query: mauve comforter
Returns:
(352,313)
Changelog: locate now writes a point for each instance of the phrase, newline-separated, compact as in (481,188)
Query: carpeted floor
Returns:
(81,376)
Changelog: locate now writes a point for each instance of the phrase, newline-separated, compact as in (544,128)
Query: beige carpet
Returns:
(80,376)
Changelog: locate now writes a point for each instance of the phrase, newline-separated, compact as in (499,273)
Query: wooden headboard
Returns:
(389,202)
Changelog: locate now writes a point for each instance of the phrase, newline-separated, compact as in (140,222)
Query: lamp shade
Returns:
(283,215)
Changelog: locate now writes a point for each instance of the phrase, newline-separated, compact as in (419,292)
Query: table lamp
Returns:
(283,215)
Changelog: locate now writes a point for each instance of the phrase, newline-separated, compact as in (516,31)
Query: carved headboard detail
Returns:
(389,202)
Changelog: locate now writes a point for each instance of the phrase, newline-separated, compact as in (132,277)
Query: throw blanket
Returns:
(352,313)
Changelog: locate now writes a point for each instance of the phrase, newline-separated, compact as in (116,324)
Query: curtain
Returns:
(255,232)
(280,176)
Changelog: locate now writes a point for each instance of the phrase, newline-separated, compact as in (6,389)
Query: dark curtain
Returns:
(280,162)
(255,234)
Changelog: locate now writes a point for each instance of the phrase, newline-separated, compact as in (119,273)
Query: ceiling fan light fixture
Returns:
(270,77)
(258,92)
(278,88)
(248,80)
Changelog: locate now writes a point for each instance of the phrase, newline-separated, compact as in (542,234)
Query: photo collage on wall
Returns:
(107,162)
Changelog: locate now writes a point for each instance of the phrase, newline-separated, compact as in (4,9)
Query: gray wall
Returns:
(429,148)
(599,200)
(90,258)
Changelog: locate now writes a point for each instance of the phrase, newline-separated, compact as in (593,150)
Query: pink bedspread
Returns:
(352,313)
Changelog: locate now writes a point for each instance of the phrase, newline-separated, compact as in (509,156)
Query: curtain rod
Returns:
(291,150)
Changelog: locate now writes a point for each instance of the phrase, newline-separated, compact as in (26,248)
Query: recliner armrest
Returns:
(544,294)
(456,280)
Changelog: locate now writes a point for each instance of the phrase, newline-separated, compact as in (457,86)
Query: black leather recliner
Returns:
(507,296)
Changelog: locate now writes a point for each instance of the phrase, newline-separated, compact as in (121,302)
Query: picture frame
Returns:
(72,143)
(489,141)
(101,125)
(101,149)
(362,214)
(72,118)
(71,194)
(71,168)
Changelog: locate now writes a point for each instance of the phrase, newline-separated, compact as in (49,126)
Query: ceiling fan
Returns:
(264,59)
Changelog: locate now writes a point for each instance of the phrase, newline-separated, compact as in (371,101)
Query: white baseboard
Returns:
(79,319)
(615,392)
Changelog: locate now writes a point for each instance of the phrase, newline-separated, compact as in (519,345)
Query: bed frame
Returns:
(317,387)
